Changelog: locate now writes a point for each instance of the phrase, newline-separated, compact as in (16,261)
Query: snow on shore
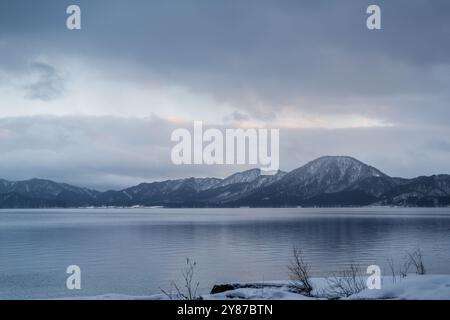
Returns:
(413,287)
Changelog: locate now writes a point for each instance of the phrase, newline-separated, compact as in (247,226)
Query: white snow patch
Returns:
(413,287)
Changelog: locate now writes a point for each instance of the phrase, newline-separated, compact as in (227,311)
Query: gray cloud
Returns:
(263,54)
(46,83)
(109,152)
(100,152)
(314,58)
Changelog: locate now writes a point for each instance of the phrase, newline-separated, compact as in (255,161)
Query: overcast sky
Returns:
(95,107)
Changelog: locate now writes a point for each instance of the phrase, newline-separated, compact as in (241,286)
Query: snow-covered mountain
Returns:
(329,174)
(157,193)
(241,177)
(237,186)
(43,193)
(326,181)
(346,181)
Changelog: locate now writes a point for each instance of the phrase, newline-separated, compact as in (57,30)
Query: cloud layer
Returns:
(96,106)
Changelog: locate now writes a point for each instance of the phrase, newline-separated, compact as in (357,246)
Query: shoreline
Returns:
(176,207)
(412,287)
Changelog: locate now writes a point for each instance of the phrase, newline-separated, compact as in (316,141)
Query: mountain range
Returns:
(329,181)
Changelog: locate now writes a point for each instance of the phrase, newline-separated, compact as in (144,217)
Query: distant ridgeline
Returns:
(327,181)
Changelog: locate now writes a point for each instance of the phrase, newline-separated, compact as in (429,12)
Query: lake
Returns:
(139,251)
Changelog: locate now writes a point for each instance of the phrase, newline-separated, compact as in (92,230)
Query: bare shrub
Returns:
(404,268)
(347,282)
(299,273)
(412,260)
(416,261)
(392,268)
(188,290)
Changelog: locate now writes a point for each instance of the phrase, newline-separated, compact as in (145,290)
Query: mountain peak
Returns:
(343,164)
(336,159)
(330,174)
(242,177)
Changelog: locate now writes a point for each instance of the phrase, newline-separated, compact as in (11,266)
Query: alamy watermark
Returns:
(73,282)
(374,278)
(73,21)
(373,22)
(235,146)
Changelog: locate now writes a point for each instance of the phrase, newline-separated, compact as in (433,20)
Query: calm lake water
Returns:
(137,251)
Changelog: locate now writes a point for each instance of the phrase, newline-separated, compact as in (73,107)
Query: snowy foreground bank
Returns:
(413,287)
